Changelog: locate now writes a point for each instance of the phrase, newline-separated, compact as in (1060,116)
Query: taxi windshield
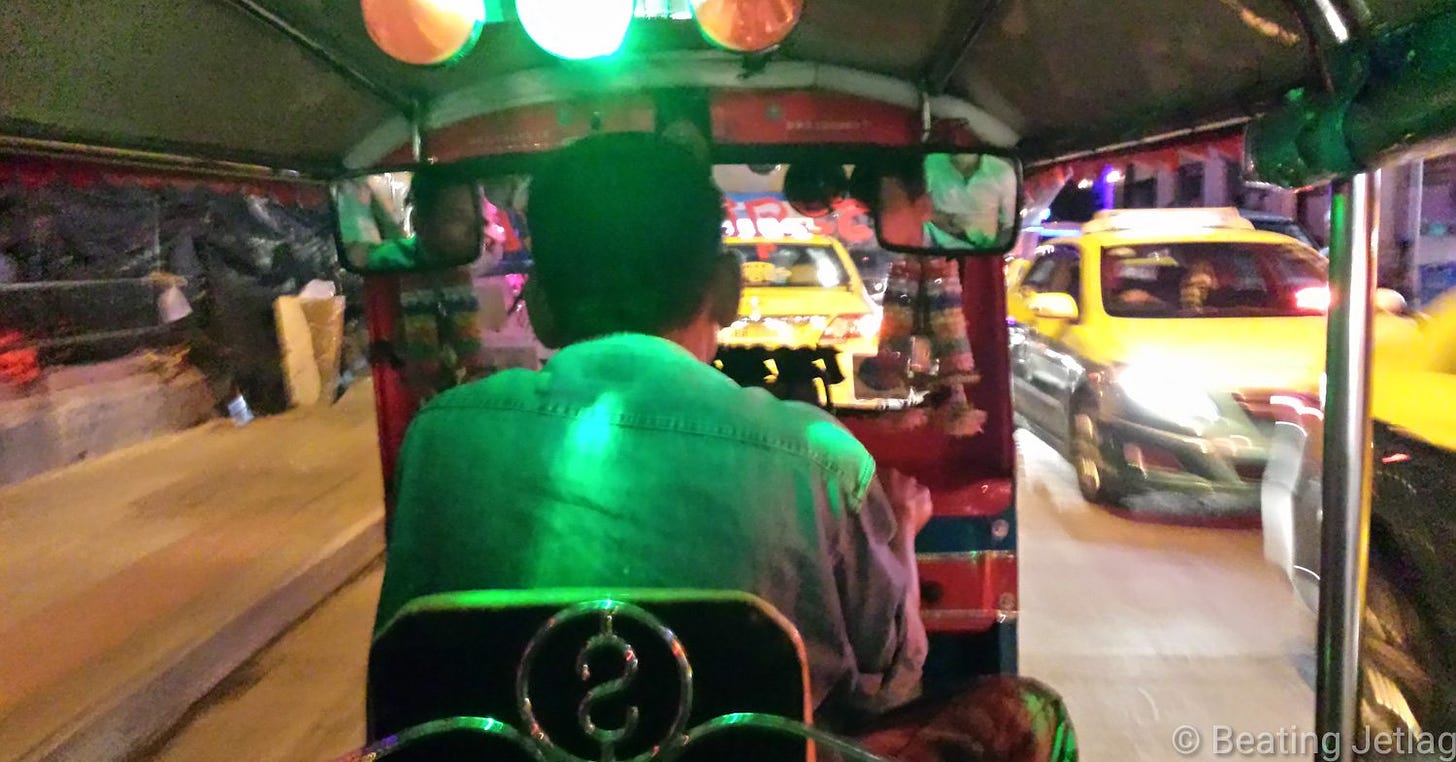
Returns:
(768,265)
(1213,279)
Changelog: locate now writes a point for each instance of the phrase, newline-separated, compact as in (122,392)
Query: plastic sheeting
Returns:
(79,244)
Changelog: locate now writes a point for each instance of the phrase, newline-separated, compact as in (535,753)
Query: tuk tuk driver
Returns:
(629,461)
(446,216)
(974,198)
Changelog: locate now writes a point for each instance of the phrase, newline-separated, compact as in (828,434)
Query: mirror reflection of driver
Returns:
(974,196)
(446,222)
(437,342)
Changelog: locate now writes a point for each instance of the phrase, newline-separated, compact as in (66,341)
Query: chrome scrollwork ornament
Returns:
(607,640)
(609,740)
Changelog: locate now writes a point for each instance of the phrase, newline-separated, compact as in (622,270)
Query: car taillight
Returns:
(846,327)
(1313,299)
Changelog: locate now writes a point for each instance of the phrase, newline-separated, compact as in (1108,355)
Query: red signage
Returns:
(798,117)
(531,129)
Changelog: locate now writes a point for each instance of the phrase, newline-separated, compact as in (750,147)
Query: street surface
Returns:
(1143,628)
(132,582)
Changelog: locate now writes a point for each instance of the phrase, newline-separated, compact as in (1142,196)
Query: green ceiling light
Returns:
(576,29)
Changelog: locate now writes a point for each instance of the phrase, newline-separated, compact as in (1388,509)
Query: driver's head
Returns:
(966,163)
(627,237)
(446,216)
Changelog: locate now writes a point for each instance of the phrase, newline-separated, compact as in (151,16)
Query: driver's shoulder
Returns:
(805,430)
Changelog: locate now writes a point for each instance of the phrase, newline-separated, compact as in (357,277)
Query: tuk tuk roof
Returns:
(298,84)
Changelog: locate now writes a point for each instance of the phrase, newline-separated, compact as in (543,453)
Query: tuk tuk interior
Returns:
(299,93)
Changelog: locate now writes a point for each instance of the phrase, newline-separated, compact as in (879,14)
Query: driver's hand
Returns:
(947,222)
(910,501)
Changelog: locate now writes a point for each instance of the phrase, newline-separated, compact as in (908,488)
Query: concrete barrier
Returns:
(82,412)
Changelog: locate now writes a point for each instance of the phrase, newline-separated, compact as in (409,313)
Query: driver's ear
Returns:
(538,309)
(726,289)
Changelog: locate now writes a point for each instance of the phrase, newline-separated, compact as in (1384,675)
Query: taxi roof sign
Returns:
(1149,220)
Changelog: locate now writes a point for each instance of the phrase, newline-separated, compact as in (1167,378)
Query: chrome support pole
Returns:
(417,132)
(927,122)
(947,60)
(1345,528)
(1411,229)
(1327,29)
(1335,22)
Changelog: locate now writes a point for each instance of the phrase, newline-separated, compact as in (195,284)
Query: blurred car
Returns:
(1150,348)
(808,294)
(1408,673)
(1278,223)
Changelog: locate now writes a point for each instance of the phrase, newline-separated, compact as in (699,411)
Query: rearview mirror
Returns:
(415,221)
(950,204)
(1053,306)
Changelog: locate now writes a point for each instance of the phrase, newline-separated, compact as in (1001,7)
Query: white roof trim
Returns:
(708,70)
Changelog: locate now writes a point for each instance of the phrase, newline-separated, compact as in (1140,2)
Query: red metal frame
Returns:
(394,403)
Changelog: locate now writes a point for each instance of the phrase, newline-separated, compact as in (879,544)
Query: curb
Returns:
(125,724)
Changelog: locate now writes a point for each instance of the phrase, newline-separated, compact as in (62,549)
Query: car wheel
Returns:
(1396,689)
(1096,478)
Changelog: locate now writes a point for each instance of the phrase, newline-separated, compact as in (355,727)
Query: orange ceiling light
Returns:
(424,32)
(747,26)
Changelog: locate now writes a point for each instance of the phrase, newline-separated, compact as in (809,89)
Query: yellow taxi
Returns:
(807,294)
(1154,350)
(1413,374)
(1413,405)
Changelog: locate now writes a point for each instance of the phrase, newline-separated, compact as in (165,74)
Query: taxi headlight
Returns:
(1170,398)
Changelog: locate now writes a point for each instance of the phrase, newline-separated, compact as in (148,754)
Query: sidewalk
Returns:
(131,584)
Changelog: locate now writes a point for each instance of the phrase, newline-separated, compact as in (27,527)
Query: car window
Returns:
(1040,273)
(767,265)
(1074,280)
(1066,277)
(1057,271)
(1213,280)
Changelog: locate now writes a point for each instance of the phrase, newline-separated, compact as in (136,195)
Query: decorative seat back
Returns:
(591,675)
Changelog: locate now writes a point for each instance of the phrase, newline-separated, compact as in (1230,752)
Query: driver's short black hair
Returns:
(626,235)
(428,187)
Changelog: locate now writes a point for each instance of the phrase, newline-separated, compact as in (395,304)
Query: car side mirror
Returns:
(1054,306)
(1390,300)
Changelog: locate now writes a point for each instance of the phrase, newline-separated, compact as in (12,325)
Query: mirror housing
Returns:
(1054,306)
(949,203)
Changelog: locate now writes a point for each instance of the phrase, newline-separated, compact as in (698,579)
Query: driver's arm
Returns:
(879,589)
